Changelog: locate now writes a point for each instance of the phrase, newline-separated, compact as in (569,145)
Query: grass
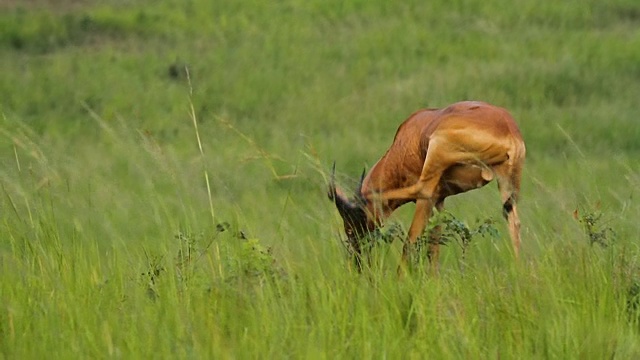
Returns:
(124,235)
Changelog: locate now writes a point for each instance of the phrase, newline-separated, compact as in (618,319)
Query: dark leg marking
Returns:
(507,207)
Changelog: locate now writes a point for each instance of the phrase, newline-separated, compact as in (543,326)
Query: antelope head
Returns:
(357,222)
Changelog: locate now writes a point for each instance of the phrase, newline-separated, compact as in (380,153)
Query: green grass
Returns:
(110,246)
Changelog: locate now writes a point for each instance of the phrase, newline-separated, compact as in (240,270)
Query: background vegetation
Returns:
(110,246)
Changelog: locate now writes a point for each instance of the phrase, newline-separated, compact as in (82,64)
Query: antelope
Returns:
(437,153)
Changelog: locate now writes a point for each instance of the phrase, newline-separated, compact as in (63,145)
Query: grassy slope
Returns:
(103,182)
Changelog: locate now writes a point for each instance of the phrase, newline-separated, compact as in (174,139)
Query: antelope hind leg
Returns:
(509,186)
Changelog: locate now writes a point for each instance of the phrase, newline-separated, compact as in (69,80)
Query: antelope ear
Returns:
(364,172)
(343,204)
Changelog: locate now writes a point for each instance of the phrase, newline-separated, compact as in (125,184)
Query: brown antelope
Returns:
(437,153)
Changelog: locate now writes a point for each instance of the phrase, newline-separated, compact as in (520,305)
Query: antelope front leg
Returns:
(434,242)
(419,223)
(407,193)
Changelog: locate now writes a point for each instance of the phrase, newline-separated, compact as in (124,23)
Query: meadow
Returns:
(163,170)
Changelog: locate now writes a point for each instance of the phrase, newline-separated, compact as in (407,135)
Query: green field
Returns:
(122,237)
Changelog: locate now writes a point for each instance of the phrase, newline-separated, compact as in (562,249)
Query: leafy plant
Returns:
(381,236)
(449,229)
(597,232)
(150,277)
(240,259)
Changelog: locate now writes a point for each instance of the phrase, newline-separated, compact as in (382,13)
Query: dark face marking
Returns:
(355,222)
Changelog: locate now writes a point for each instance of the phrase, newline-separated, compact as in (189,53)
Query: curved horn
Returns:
(364,172)
(358,192)
(332,184)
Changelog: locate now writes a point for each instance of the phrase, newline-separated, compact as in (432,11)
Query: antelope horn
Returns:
(359,190)
(332,184)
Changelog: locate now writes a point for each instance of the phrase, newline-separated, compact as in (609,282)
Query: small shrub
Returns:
(382,236)
(242,261)
(452,229)
(597,232)
(241,258)
(151,276)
